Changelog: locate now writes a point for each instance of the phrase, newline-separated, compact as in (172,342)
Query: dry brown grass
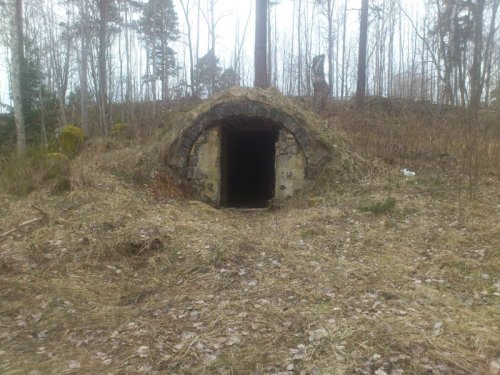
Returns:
(119,282)
(421,135)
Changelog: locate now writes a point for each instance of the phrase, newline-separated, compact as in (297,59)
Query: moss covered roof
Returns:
(321,143)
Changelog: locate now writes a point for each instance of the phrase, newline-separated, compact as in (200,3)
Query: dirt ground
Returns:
(114,281)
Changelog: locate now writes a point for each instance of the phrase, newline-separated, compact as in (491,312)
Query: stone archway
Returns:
(268,142)
(245,109)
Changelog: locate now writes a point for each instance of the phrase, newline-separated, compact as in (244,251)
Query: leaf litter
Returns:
(119,282)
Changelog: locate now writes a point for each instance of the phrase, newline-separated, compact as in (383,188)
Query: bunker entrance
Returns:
(248,174)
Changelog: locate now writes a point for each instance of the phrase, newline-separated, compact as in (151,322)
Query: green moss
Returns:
(119,129)
(71,140)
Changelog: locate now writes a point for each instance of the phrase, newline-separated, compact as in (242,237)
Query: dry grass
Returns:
(420,135)
(119,282)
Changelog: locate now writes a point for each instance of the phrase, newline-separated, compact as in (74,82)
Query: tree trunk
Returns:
(299,50)
(213,83)
(476,83)
(344,79)
(185,11)
(475,100)
(261,79)
(329,11)
(489,50)
(17,55)
(269,54)
(102,61)
(363,36)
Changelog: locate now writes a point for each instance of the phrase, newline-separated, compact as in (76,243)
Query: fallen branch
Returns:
(45,214)
(5,234)
(26,223)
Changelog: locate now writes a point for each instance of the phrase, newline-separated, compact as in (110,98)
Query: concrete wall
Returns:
(289,166)
(204,167)
(204,172)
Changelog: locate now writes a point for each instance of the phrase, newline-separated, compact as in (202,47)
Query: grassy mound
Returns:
(118,278)
(329,150)
(39,170)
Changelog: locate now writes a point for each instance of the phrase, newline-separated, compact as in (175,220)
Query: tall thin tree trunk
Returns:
(475,100)
(269,54)
(213,79)
(275,54)
(344,80)
(390,50)
(423,89)
(185,11)
(291,88)
(261,78)
(489,50)
(128,62)
(165,92)
(363,36)
(84,94)
(476,83)
(17,56)
(102,61)
(299,49)
(329,11)
(197,48)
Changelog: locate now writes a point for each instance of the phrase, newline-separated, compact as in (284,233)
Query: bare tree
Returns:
(261,77)
(299,49)
(84,41)
(212,22)
(476,91)
(60,55)
(327,10)
(363,36)
(186,8)
(344,65)
(104,10)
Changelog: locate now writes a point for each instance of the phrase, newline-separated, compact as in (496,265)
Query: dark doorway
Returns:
(247,165)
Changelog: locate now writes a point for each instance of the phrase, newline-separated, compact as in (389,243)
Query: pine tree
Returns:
(159,26)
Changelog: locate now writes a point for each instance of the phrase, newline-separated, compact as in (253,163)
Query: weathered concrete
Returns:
(195,153)
(204,166)
(247,109)
(289,167)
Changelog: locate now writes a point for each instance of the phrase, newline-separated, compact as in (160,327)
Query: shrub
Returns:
(120,129)
(379,207)
(22,175)
(71,140)
(58,165)
(18,175)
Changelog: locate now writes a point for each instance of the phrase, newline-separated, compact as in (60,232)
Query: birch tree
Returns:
(17,56)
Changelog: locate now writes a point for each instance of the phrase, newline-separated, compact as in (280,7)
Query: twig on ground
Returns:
(26,223)
(45,214)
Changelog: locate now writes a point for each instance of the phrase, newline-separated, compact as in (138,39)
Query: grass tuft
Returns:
(379,207)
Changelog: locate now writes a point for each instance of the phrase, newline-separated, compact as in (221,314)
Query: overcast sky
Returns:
(228,12)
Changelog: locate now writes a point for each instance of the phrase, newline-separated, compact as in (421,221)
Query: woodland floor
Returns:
(117,282)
